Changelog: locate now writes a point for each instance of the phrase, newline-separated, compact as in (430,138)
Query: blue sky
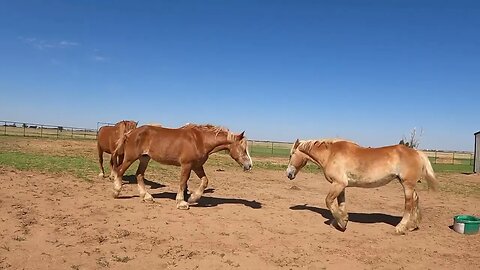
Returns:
(369,71)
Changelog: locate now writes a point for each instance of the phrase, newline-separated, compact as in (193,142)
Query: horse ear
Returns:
(295,145)
(241,135)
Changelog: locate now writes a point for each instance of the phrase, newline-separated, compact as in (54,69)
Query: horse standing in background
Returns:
(188,147)
(107,139)
(346,164)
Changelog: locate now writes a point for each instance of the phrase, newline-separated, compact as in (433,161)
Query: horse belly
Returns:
(166,161)
(369,182)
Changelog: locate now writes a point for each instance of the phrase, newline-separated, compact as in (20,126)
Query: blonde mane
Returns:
(306,145)
(211,128)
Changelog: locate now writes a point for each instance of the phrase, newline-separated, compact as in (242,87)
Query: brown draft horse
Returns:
(107,139)
(188,147)
(346,164)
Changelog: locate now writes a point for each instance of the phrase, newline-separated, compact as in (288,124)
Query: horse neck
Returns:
(318,155)
(216,142)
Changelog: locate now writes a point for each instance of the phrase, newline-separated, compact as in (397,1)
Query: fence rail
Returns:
(46,131)
(282,149)
(256,147)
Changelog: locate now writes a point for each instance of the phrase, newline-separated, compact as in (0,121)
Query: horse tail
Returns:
(119,148)
(429,174)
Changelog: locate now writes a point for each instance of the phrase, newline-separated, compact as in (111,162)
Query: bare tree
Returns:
(414,140)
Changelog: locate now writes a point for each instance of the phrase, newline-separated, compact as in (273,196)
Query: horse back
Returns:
(165,145)
(387,160)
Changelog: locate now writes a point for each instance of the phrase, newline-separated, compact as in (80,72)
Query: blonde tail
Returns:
(429,174)
(119,149)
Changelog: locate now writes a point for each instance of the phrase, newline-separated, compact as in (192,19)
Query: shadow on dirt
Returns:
(210,201)
(352,217)
(130,179)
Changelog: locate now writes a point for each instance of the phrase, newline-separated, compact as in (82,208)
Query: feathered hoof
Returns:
(116,193)
(148,198)
(101,175)
(193,198)
(183,205)
(400,230)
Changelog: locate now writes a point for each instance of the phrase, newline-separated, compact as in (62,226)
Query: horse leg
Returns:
(416,214)
(119,163)
(184,176)
(342,207)
(409,206)
(200,172)
(100,161)
(117,183)
(335,190)
(144,195)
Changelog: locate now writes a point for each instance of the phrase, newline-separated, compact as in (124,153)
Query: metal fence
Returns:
(45,131)
(256,147)
(449,157)
(282,149)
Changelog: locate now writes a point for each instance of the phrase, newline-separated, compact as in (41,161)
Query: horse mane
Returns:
(211,128)
(307,145)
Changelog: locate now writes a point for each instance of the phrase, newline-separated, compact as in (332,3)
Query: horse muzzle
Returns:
(247,167)
(290,173)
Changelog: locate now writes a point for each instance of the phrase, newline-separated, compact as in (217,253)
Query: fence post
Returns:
(5,130)
(85,133)
(24,127)
(272,148)
(41,131)
(57,132)
(72,133)
(453,158)
(435,158)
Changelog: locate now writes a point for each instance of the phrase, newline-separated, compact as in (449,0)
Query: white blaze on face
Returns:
(248,154)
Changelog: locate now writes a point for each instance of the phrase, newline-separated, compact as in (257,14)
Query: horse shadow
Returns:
(131,179)
(210,201)
(353,217)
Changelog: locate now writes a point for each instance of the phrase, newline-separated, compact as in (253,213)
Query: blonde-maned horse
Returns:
(346,164)
(188,147)
(107,139)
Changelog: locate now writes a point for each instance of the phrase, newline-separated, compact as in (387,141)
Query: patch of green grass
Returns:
(85,166)
(264,151)
(453,168)
(78,166)
(310,168)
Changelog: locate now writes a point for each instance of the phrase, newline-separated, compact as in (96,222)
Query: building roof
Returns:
(478,132)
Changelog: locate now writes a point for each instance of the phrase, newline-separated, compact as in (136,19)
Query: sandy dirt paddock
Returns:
(255,220)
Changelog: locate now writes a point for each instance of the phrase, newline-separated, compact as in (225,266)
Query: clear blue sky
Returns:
(369,71)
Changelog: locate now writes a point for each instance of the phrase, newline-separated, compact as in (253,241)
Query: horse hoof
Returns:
(400,230)
(148,198)
(101,175)
(183,205)
(341,226)
(414,228)
(116,193)
(193,198)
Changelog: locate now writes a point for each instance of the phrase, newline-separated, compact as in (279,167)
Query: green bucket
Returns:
(466,224)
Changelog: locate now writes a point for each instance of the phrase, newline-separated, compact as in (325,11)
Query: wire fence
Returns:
(282,149)
(257,147)
(13,128)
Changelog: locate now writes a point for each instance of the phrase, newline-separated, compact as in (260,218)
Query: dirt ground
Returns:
(255,220)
